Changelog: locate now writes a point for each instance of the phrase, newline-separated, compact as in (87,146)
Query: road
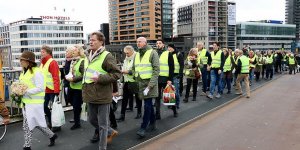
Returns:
(127,138)
(269,120)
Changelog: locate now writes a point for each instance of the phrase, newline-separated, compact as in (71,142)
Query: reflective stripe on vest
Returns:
(94,68)
(269,59)
(163,64)
(143,68)
(260,60)
(227,65)
(216,59)
(291,61)
(176,64)
(48,79)
(245,64)
(203,57)
(27,79)
(77,85)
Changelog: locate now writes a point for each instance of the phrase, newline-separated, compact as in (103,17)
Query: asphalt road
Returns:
(127,138)
(270,120)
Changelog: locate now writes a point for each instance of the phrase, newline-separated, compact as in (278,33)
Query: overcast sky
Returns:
(95,12)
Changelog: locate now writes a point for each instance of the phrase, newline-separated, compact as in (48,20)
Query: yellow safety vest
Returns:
(143,67)
(48,79)
(252,59)
(269,60)
(227,65)
(28,79)
(216,59)
(127,77)
(291,61)
(245,64)
(176,64)
(163,64)
(94,68)
(202,56)
(77,85)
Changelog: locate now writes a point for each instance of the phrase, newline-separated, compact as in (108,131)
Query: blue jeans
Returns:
(176,84)
(204,79)
(251,74)
(149,116)
(215,80)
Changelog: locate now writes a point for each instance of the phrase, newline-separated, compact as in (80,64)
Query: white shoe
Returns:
(210,96)
(218,96)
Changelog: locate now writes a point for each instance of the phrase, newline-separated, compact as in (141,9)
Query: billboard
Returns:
(231,15)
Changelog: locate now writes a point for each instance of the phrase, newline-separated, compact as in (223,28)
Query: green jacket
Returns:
(153,82)
(101,91)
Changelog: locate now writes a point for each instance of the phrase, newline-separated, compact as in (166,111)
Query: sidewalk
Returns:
(269,120)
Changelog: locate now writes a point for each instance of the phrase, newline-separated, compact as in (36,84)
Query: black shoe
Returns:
(56,129)
(157,117)
(135,106)
(185,100)
(71,121)
(141,133)
(114,126)
(152,127)
(121,118)
(52,140)
(75,126)
(175,115)
(138,116)
(26,148)
(129,109)
(194,99)
(95,137)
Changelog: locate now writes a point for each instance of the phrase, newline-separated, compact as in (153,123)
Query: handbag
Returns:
(58,115)
(197,73)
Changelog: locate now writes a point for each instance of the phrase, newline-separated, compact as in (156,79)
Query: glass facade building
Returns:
(167,18)
(292,15)
(265,36)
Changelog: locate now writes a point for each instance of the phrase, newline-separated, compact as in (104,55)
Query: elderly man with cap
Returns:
(33,100)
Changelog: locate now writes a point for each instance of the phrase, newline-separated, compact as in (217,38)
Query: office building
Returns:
(292,15)
(167,18)
(55,31)
(104,28)
(130,19)
(5,48)
(209,21)
(265,36)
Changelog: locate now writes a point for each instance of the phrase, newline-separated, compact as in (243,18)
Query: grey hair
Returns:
(129,47)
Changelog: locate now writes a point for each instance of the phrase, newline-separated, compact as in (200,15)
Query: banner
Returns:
(231,15)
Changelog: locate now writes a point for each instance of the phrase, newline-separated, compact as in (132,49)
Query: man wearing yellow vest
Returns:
(243,73)
(270,61)
(216,69)
(146,67)
(51,74)
(166,73)
(205,59)
(101,71)
(292,63)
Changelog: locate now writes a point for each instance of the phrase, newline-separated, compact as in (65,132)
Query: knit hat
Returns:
(172,45)
(28,55)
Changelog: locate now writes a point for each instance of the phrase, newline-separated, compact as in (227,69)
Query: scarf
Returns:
(93,55)
(128,62)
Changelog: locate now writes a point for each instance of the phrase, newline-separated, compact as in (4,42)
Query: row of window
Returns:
(45,42)
(47,27)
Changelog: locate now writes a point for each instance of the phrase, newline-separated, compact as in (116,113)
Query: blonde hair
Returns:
(81,50)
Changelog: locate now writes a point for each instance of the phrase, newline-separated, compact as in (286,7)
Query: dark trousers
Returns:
(204,79)
(112,117)
(263,71)
(269,72)
(278,66)
(227,79)
(180,85)
(128,96)
(76,97)
(188,87)
(161,87)
(48,97)
(149,116)
(292,68)
(257,75)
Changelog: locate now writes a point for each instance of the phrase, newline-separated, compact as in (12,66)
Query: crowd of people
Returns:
(90,76)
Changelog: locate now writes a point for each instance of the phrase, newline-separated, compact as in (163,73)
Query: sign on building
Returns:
(231,15)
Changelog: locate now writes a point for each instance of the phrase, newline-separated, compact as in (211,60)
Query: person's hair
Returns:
(191,52)
(217,43)
(100,36)
(129,47)
(81,50)
(48,49)
(161,41)
(30,66)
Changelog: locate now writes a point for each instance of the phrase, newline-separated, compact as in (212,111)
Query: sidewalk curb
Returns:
(198,117)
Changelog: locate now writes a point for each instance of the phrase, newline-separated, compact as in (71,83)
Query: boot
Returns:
(121,118)
(52,140)
(95,137)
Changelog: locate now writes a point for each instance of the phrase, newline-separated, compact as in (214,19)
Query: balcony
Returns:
(126,1)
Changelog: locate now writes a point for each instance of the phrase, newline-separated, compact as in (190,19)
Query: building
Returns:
(130,19)
(5,48)
(104,28)
(55,31)
(292,15)
(209,21)
(265,36)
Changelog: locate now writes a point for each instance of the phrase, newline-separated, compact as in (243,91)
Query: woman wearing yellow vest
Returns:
(75,78)
(253,61)
(292,63)
(33,100)
(227,70)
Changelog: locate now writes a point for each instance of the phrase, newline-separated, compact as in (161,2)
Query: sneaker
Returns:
(203,94)
(218,95)
(110,137)
(141,133)
(238,93)
(210,96)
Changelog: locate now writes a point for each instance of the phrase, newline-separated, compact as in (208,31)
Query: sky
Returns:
(95,12)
